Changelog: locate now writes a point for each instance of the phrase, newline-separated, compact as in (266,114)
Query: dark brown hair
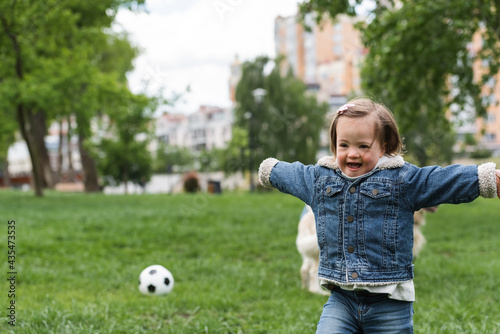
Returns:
(386,128)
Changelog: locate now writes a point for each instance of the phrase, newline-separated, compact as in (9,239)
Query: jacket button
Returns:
(328,190)
(352,190)
(354,275)
(350,219)
(350,249)
(375,192)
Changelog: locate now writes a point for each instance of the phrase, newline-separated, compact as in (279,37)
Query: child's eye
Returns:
(343,145)
(364,146)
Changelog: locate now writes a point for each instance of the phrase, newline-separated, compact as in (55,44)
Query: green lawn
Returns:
(236,269)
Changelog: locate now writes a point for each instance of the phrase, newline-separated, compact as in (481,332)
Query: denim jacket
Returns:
(365,226)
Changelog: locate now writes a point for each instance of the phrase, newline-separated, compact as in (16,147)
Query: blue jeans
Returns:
(364,312)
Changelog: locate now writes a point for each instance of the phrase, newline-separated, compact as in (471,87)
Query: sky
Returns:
(191,43)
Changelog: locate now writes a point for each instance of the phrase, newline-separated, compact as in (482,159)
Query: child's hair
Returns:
(386,128)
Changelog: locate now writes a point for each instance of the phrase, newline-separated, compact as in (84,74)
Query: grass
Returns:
(233,257)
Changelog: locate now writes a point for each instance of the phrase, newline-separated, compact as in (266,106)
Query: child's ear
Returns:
(383,149)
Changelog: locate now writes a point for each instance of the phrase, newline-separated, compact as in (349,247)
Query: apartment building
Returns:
(209,127)
(329,56)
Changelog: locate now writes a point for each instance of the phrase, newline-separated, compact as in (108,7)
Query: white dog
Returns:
(307,245)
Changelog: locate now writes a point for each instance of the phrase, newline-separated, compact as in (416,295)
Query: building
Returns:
(208,128)
(328,57)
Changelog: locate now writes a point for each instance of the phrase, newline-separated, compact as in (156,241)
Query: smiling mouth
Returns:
(353,166)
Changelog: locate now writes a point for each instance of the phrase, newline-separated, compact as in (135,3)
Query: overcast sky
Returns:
(193,42)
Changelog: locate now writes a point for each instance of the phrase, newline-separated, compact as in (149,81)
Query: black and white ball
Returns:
(156,280)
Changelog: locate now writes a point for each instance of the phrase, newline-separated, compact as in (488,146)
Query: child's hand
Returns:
(497,174)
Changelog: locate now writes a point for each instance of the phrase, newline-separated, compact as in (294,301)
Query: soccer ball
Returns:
(156,280)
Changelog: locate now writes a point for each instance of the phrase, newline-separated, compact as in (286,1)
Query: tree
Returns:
(420,63)
(287,123)
(47,50)
(20,39)
(113,59)
(170,157)
(235,155)
(7,138)
(123,154)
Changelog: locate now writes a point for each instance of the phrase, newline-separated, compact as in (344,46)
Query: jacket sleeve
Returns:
(294,178)
(434,185)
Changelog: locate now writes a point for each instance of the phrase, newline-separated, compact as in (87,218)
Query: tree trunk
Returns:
(23,114)
(24,120)
(89,168)
(39,129)
(125,180)
(59,172)
(6,177)
(71,170)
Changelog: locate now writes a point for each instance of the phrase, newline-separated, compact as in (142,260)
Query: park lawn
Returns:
(233,257)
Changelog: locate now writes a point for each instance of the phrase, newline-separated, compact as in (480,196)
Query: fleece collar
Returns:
(393,162)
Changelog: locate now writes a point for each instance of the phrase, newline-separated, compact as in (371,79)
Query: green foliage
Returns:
(287,123)
(116,56)
(125,156)
(57,59)
(210,160)
(470,139)
(413,53)
(173,158)
(123,163)
(327,9)
(420,63)
(7,135)
(234,158)
(481,153)
(234,261)
(54,48)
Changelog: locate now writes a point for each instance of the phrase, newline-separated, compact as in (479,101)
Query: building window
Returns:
(486,62)
(489,100)
(490,137)
(491,82)
(164,139)
(490,118)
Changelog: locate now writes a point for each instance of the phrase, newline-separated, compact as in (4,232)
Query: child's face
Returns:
(358,149)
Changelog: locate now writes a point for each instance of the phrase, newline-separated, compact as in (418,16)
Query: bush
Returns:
(481,153)
(191,182)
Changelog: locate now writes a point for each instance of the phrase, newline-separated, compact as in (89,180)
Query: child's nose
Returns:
(353,153)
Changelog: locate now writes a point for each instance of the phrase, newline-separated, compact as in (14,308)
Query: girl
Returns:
(363,200)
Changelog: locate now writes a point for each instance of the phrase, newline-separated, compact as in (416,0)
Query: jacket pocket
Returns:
(375,190)
(331,189)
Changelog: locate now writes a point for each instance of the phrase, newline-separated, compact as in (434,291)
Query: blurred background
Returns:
(155,96)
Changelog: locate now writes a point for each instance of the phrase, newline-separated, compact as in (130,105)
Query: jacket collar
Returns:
(393,162)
